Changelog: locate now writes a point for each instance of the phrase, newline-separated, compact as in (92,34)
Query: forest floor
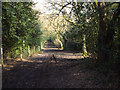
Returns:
(71,70)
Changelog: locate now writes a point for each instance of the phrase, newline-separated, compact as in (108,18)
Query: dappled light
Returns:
(65,44)
(76,74)
(41,70)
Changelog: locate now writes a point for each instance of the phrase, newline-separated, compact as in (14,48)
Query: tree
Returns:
(18,20)
(106,31)
(96,22)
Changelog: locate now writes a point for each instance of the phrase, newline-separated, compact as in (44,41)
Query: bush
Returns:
(73,46)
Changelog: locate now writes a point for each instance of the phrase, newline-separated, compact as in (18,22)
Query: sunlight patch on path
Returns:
(69,57)
(62,55)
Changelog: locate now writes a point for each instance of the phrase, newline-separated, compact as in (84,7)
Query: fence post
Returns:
(28,50)
(21,53)
(2,56)
(41,45)
(39,48)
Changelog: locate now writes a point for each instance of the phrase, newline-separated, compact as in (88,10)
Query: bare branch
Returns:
(64,6)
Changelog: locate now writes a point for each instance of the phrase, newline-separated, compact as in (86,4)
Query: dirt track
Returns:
(39,71)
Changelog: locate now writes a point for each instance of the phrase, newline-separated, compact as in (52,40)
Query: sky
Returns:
(42,3)
(41,6)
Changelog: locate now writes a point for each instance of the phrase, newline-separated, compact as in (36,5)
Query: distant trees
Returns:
(56,26)
(94,25)
(60,27)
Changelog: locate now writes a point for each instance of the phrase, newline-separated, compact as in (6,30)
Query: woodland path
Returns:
(38,71)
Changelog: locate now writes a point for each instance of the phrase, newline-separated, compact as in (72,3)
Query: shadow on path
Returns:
(39,71)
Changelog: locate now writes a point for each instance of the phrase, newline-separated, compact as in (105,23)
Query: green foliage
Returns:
(99,23)
(34,38)
(73,46)
(53,37)
(19,23)
(57,43)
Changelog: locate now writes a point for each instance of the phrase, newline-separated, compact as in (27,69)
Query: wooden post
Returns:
(21,53)
(38,49)
(28,50)
(2,56)
(41,45)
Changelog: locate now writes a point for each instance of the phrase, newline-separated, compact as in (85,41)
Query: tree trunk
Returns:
(34,50)
(84,45)
(65,44)
(102,54)
(111,30)
(5,54)
(61,45)
(105,35)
